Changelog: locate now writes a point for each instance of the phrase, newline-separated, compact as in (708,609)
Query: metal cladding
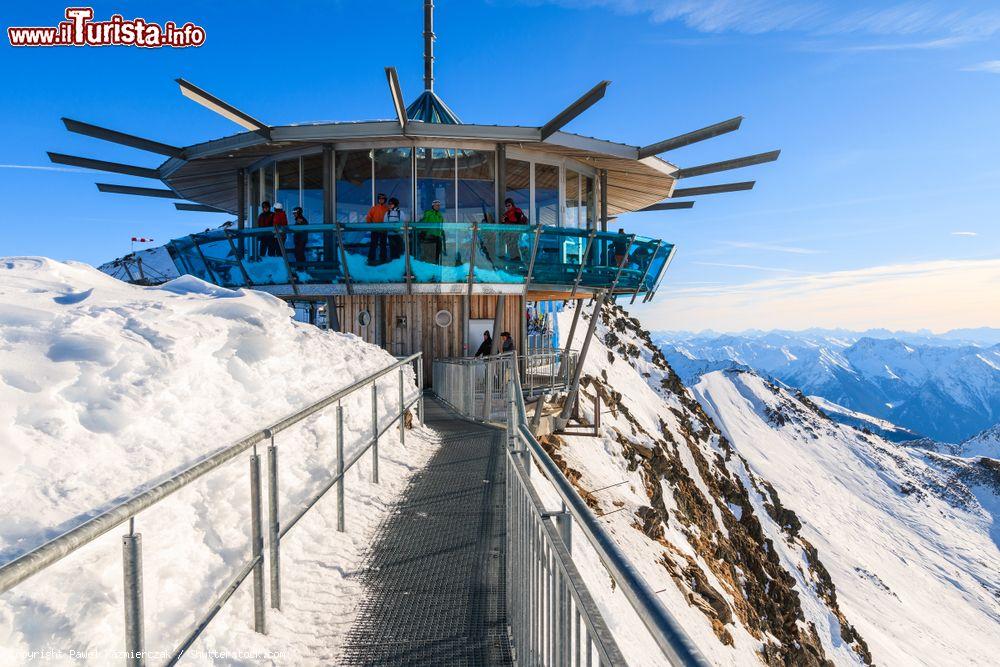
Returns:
(112,188)
(397,97)
(228,111)
(102,165)
(713,189)
(668,206)
(689,138)
(587,100)
(122,138)
(725,165)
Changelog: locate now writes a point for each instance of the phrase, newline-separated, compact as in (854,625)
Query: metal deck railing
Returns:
(17,570)
(553,617)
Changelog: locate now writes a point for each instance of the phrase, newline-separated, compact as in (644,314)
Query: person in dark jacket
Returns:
(619,247)
(265,242)
(486,348)
(300,238)
(506,342)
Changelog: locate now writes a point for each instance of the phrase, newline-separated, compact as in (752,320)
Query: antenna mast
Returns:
(428,44)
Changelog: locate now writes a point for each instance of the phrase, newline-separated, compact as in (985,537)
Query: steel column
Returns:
(375,432)
(132,566)
(273,530)
(574,388)
(257,546)
(402,410)
(340,467)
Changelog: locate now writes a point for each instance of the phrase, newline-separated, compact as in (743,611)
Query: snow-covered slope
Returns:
(707,532)
(105,388)
(910,538)
(860,420)
(939,387)
(986,443)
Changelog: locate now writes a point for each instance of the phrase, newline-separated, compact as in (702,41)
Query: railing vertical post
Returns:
(511,420)
(257,545)
(375,431)
(420,388)
(132,567)
(597,413)
(402,410)
(273,535)
(340,467)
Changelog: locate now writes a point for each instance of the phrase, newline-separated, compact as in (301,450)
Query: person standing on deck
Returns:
(512,215)
(394,217)
(378,250)
(432,240)
(506,342)
(280,223)
(300,238)
(486,347)
(620,247)
(266,243)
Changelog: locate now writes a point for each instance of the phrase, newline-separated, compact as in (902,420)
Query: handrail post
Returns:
(510,414)
(402,410)
(420,388)
(132,566)
(375,432)
(340,467)
(273,534)
(257,545)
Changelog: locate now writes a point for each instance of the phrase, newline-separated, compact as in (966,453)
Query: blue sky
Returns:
(882,211)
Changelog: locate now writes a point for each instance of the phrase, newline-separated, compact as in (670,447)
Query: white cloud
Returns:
(34,167)
(751,267)
(991,66)
(771,247)
(938,295)
(965,233)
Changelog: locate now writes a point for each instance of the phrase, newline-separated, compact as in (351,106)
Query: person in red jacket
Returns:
(266,242)
(512,215)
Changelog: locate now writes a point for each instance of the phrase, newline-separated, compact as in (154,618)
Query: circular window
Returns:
(443,318)
(364,318)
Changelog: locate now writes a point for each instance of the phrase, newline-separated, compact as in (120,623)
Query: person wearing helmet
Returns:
(378,248)
(265,242)
(432,240)
(300,239)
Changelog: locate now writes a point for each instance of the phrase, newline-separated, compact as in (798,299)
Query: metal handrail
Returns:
(676,646)
(41,557)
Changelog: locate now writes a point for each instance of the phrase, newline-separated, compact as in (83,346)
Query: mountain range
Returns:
(943,387)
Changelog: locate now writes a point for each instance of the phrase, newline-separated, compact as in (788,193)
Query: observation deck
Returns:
(425,257)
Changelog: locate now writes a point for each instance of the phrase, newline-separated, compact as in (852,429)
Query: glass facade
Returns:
(420,242)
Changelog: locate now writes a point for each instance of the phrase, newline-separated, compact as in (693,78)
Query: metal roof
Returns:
(430,108)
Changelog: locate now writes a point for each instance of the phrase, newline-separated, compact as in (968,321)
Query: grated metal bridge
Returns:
(434,578)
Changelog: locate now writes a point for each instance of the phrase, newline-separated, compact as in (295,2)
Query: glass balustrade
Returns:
(447,252)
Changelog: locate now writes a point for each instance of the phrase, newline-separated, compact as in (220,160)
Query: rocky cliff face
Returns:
(711,534)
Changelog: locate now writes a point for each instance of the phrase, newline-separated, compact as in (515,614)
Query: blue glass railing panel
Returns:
(440,252)
(375,252)
(657,267)
(503,253)
(188,260)
(313,253)
(560,254)
(222,258)
(264,262)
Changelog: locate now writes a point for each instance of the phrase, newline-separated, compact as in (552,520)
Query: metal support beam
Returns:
(531,262)
(227,111)
(583,263)
(603,180)
(241,199)
(497,322)
(667,206)
(712,189)
(725,165)
(198,208)
(257,545)
(690,137)
(585,101)
(574,388)
(141,192)
(103,165)
(397,97)
(122,138)
(563,362)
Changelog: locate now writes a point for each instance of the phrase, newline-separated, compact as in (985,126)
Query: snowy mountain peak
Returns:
(985,443)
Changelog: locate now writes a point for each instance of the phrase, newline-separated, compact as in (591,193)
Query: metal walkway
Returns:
(434,579)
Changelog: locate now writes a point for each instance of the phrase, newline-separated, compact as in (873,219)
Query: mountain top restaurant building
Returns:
(451,260)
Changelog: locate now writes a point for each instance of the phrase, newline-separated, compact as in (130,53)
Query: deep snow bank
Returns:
(106,387)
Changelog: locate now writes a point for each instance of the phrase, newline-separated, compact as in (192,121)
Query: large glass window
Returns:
(254,198)
(476,186)
(518,184)
(546,194)
(572,199)
(436,180)
(394,177)
(588,212)
(354,185)
(288,185)
(312,188)
(268,194)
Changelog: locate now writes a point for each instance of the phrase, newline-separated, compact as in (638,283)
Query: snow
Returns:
(986,443)
(105,389)
(930,590)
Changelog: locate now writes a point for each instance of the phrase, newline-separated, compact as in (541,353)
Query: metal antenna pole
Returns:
(429,44)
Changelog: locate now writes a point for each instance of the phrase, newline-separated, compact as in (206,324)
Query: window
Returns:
(476,189)
(436,180)
(288,185)
(546,194)
(588,209)
(572,219)
(254,207)
(394,176)
(354,185)
(518,186)
(312,188)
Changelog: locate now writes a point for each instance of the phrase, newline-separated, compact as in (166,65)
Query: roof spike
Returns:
(587,100)
(429,38)
(689,138)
